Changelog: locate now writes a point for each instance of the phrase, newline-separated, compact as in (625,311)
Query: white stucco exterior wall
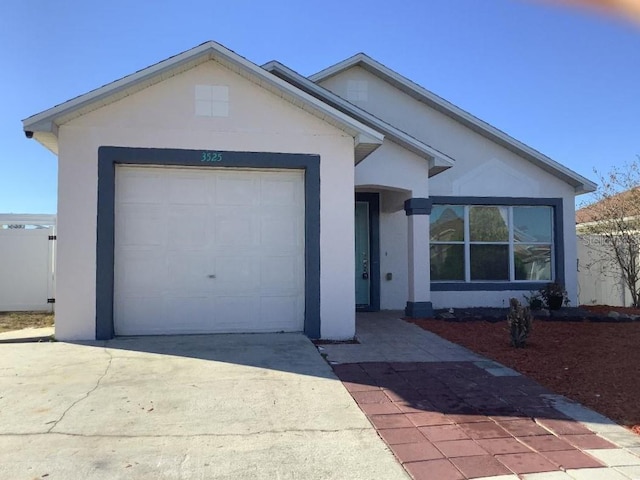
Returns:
(163,116)
(394,168)
(482,169)
(393,258)
(397,175)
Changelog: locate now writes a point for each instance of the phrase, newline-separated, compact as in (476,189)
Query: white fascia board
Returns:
(580,183)
(45,121)
(337,68)
(396,135)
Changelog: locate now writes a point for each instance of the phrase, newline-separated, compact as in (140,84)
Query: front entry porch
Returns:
(392,252)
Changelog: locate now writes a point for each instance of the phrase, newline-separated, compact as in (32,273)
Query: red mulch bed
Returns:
(596,364)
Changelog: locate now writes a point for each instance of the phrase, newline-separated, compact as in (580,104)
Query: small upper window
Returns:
(212,101)
(357,90)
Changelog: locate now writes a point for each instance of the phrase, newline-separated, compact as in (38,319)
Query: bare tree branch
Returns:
(614,216)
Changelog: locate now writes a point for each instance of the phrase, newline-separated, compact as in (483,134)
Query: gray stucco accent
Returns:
(418,206)
(418,309)
(109,157)
(558,232)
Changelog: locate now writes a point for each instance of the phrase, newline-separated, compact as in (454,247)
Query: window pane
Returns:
(489,262)
(447,223)
(489,224)
(532,262)
(447,262)
(532,224)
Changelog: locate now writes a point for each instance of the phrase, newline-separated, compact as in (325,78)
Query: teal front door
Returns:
(363,256)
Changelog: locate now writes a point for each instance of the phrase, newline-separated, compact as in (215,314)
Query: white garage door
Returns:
(208,250)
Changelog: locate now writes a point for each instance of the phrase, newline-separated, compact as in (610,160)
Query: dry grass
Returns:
(19,320)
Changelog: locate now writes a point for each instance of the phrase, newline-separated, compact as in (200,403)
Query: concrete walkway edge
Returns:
(27,335)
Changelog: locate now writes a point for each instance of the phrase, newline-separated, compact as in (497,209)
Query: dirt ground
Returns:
(19,320)
(593,363)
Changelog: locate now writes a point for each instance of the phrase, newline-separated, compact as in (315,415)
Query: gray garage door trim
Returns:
(109,157)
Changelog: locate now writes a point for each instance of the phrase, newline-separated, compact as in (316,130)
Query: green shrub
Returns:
(534,300)
(554,291)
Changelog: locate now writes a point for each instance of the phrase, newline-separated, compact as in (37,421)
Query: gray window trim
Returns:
(558,231)
(109,157)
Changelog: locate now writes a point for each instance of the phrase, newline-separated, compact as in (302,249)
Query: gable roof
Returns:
(44,126)
(440,161)
(578,182)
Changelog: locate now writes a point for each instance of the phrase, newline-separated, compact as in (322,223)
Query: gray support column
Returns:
(419,301)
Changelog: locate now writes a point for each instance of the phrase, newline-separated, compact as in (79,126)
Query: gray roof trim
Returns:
(578,182)
(441,161)
(44,124)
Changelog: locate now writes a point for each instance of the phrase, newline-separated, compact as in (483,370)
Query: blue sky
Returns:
(564,81)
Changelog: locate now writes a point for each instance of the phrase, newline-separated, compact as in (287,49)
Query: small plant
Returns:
(520,320)
(554,295)
(534,299)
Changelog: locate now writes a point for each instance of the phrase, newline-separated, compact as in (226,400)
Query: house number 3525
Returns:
(211,157)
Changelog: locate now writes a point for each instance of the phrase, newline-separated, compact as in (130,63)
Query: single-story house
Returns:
(208,194)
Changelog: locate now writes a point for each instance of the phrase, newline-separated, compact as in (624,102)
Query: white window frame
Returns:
(511,244)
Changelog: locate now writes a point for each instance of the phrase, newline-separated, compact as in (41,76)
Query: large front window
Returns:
(489,243)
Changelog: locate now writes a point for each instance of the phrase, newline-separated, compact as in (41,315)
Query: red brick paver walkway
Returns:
(455,420)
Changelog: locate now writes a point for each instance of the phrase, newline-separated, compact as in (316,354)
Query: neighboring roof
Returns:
(441,161)
(585,214)
(578,182)
(616,205)
(44,126)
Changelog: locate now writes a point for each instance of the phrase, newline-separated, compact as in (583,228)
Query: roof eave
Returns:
(364,146)
(587,187)
(337,68)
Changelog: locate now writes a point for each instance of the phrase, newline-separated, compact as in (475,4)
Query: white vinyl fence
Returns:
(600,281)
(27,262)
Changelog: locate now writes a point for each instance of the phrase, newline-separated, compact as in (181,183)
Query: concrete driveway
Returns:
(192,407)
